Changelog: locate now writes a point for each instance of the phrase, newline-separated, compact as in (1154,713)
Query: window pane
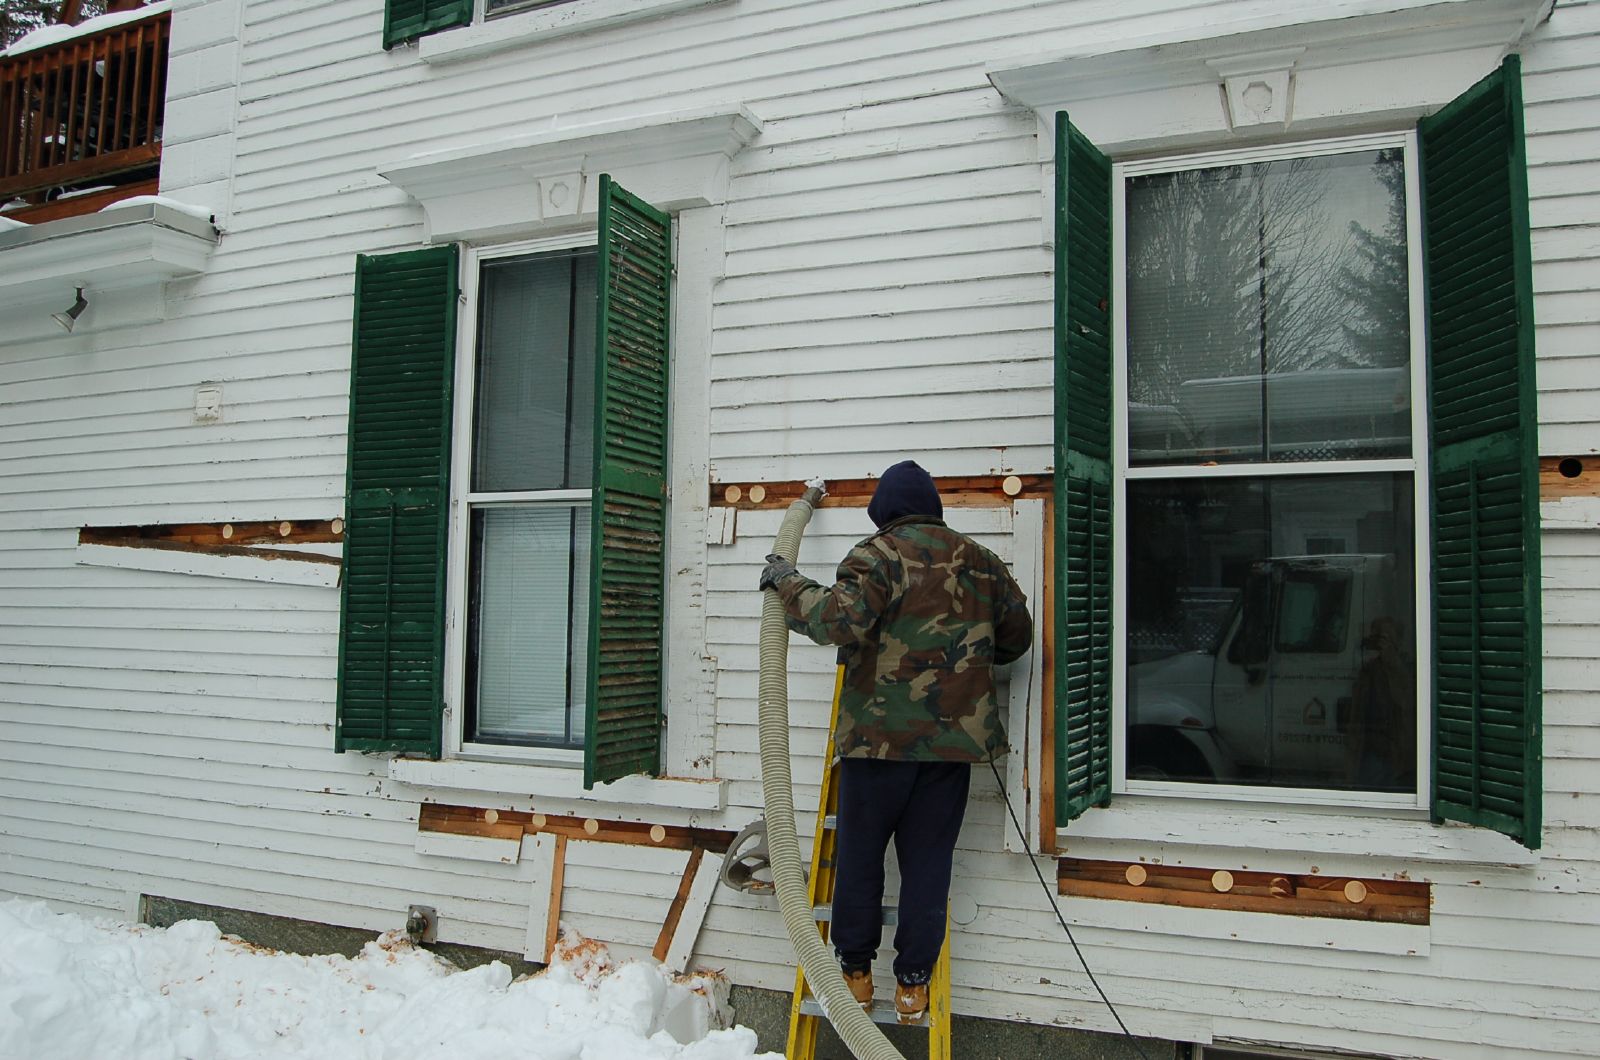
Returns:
(532,423)
(496,7)
(1268,312)
(1258,653)
(528,625)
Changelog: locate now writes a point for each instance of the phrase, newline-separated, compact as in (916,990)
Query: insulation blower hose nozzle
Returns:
(854,1026)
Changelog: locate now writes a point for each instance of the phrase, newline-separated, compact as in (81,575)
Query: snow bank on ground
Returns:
(71,987)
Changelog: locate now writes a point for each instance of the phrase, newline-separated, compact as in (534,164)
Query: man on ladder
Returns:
(921,615)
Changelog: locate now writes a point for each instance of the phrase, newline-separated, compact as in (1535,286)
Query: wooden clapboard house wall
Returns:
(876,286)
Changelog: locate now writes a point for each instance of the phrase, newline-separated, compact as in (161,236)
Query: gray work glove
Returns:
(776,570)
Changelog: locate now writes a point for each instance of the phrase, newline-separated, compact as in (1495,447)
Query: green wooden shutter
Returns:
(627,597)
(405,20)
(391,642)
(1485,484)
(1083,479)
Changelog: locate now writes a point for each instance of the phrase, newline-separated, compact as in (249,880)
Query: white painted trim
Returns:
(1026,707)
(690,682)
(282,570)
(539,852)
(1416,465)
(1282,839)
(1243,156)
(1422,465)
(552,782)
(468,847)
(517,29)
(702,891)
(1227,925)
(530,184)
(1370,63)
(146,243)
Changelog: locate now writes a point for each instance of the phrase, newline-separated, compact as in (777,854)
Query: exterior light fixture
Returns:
(68,318)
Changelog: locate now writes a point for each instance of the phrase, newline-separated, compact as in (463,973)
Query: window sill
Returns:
(1300,834)
(555,782)
(529,27)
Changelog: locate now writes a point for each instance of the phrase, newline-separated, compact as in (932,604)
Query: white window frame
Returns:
(462,500)
(523,26)
(1417,465)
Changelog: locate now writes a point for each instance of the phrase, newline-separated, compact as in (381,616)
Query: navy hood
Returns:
(905,489)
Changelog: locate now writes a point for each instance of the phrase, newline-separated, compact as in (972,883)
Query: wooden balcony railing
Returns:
(83,109)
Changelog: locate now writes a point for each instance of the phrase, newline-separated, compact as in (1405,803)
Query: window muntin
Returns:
(1313,416)
(1267,311)
(527,508)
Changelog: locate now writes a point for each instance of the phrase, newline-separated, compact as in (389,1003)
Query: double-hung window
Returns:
(1295,537)
(529,517)
(523,529)
(1268,454)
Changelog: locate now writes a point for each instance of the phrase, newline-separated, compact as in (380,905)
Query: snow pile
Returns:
(71,987)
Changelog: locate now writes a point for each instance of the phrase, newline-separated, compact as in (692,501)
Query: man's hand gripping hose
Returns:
(855,1027)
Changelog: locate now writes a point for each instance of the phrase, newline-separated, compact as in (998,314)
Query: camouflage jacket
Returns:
(922,615)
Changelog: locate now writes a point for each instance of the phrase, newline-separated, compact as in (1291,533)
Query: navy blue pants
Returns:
(920,805)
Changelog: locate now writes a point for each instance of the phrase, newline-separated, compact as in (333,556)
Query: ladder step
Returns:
(831,821)
(882,1012)
(824,913)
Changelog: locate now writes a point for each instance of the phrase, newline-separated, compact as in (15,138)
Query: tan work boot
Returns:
(910,1002)
(860,984)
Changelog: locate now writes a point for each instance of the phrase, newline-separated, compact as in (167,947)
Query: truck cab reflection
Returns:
(1310,684)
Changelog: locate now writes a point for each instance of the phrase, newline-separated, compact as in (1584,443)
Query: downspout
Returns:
(855,1027)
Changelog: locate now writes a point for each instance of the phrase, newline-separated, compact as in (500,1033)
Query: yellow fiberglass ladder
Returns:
(805,1014)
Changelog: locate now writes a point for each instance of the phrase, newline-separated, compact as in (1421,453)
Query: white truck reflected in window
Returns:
(1309,685)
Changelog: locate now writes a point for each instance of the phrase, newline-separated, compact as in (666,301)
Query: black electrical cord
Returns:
(1056,908)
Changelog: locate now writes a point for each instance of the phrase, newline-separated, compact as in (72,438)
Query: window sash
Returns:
(456,744)
(1417,465)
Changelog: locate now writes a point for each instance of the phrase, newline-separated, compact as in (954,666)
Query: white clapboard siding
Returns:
(883,295)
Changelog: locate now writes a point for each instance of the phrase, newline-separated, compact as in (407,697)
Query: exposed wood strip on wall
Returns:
(513,824)
(1342,897)
(558,871)
(282,532)
(1568,476)
(957,491)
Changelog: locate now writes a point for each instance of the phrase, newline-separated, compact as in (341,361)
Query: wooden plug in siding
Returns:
(1561,477)
(513,824)
(957,491)
(1339,897)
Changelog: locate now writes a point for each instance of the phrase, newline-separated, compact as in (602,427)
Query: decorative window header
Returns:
(543,182)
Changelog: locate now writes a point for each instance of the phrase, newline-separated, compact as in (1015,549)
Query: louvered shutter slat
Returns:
(1083,477)
(1486,734)
(391,645)
(627,590)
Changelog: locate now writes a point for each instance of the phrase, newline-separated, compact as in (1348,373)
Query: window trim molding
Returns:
(516,29)
(531,185)
(1417,465)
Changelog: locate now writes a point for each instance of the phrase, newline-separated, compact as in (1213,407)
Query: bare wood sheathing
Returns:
(225,539)
(1342,897)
